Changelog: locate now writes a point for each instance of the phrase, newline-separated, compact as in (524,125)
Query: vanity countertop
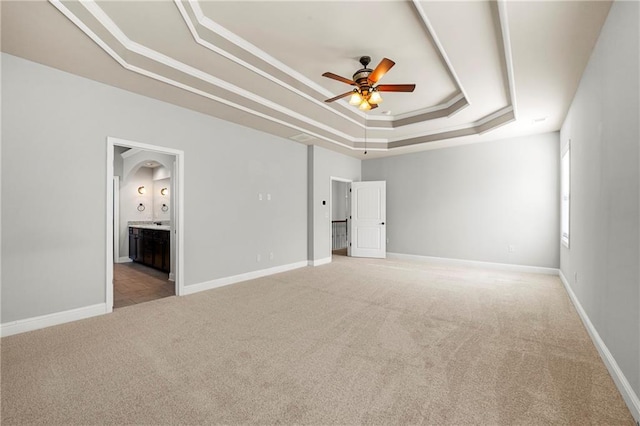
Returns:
(151,226)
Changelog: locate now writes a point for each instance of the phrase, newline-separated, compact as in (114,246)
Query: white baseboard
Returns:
(476,263)
(35,323)
(221,282)
(629,396)
(319,262)
(172,277)
(124,259)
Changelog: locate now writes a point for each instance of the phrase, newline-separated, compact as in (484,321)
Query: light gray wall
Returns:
(472,202)
(325,165)
(604,221)
(53,221)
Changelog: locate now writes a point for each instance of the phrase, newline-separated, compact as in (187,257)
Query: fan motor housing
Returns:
(361,77)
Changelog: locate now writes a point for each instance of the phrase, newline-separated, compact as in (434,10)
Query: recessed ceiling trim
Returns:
(221,31)
(456,107)
(441,50)
(508,57)
(302,137)
(134,47)
(478,124)
(483,125)
(224,32)
(208,23)
(62,8)
(447,109)
(496,122)
(493,116)
(445,105)
(158,57)
(370,140)
(362,146)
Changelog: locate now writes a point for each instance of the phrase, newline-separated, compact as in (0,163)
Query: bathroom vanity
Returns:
(150,245)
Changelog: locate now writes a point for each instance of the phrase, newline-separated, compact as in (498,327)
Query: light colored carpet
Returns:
(356,341)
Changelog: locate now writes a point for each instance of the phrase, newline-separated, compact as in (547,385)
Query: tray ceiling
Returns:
(483,70)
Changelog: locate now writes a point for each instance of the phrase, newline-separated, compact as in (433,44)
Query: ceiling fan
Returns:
(366,95)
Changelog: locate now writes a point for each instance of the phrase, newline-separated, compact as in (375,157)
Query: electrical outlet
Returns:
(575,278)
(259,197)
(258,258)
(512,248)
(268,197)
(271,256)
(387,241)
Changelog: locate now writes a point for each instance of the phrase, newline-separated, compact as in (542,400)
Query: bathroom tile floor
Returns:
(135,283)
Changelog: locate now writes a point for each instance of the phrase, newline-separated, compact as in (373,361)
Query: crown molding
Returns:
(441,51)
(206,23)
(508,57)
(153,64)
(218,30)
(136,48)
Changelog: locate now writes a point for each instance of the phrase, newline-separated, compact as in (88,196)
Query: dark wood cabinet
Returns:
(134,244)
(150,247)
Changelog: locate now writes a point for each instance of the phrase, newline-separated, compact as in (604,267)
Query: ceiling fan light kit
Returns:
(365,106)
(375,97)
(366,94)
(356,99)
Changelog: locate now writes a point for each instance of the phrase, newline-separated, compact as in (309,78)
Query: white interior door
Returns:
(368,232)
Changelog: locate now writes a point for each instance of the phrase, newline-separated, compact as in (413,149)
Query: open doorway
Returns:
(144,254)
(339,216)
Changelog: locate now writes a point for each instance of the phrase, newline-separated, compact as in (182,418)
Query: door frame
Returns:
(337,179)
(116,218)
(178,209)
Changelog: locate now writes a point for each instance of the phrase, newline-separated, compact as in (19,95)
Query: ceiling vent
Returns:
(302,137)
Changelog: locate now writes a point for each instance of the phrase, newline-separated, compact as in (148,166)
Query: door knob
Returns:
(382,223)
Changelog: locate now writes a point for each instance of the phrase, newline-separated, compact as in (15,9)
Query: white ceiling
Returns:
(483,70)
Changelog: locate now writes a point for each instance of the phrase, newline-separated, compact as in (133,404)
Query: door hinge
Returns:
(349,244)
(349,217)
(349,189)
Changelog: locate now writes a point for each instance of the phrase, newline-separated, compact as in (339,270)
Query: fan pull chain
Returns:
(365,136)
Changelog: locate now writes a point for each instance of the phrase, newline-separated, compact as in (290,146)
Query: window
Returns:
(565,189)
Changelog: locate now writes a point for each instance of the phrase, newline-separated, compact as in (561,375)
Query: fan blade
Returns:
(382,68)
(337,77)
(395,87)
(339,97)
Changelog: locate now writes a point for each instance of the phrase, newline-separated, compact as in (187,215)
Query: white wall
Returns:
(602,125)
(55,262)
(161,172)
(130,199)
(323,165)
(133,162)
(159,200)
(472,202)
